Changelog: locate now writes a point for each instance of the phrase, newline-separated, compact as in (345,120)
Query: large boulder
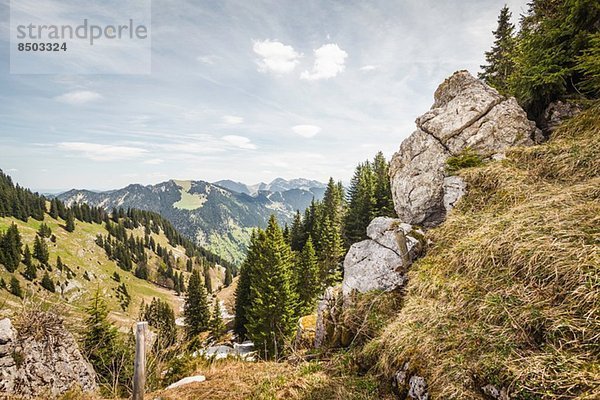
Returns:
(42,360)
(466,113)
(381,262)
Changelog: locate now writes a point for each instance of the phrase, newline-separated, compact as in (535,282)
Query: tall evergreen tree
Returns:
(70,222)
(500,59)
(207,280)
(47,283)
(270,314)
(307,280)
(361,203)
(196,311)
(217,327)
(15,287)
(297,233)
(331,253)
(242,291)
(40,250)
(384,205)
(10,248)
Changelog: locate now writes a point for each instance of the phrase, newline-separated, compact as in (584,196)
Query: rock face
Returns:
(46,365)
(466,113)
(380,262)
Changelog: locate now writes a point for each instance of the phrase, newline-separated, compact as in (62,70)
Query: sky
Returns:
(243,90)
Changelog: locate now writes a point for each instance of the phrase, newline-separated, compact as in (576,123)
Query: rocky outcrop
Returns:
(408,385)
(41,362)
(381,262)
(466,113)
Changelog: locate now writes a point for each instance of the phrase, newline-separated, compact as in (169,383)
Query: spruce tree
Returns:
(297,233)
(361,204)
(270,314)
(307,278)
(217,327)
(242,291)
(10,248)
(196,311)
(70,222)
(47,283)
(331,253)
(500,59)
(40,250)
(30,271)
(15,287)
(384,205)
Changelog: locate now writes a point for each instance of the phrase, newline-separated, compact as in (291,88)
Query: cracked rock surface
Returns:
(381,262)
(466,113)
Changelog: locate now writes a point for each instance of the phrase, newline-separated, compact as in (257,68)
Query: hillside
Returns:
(140,257)
(218,216)
(508,292)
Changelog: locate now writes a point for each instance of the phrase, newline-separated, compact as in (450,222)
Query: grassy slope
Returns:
(509,292)
(79,252)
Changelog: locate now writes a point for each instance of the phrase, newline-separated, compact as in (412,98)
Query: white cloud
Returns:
(369,67)
(306,131)
(232,119)
(79,97)
(329,61)
(276,56)
(12,170)
(101,152)
(239,141)
(154,161)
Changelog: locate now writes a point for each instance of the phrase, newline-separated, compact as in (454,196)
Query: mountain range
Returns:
(219,216)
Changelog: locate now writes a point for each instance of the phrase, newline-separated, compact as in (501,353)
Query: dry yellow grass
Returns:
(509,292)
(237,380)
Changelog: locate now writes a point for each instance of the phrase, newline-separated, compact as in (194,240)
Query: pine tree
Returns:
(196,311)
(15,287)
(160,315)
(307,278)
(70,222)
(59,264)
(270,314)
(331,253)
(500,63)
(297,233)
(242,291)
(30,271)
(361,203)
(47,283)
(40,250)
(217,327)
(54,208)
(384,205)
(10,248)
(27,259)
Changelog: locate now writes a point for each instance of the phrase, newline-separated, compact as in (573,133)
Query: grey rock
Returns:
(454,189)
(328,311)
(380,263)
(556,113)
(409,385)
(46,365)
(466,113)
(495,393)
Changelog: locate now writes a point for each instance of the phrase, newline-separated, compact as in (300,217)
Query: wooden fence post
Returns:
(139,367)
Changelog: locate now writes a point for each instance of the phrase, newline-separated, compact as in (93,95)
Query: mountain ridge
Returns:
(220,218)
